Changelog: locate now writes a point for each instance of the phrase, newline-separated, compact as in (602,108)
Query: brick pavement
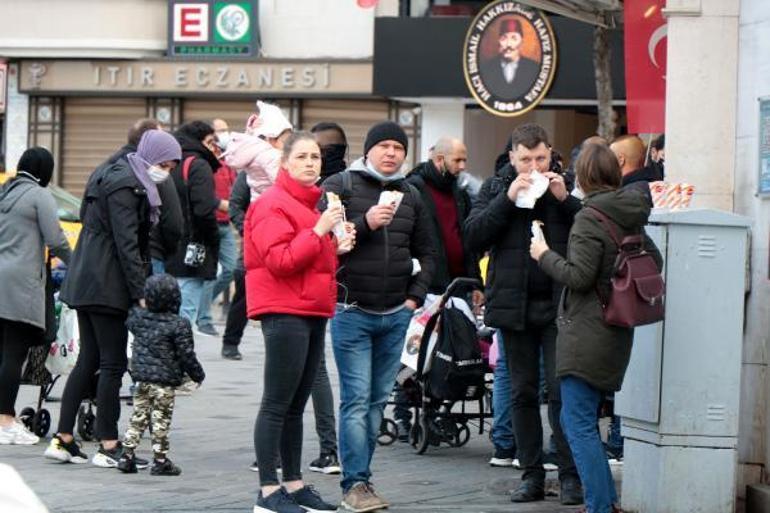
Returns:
(212,441)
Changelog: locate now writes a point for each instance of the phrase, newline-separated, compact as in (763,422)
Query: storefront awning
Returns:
(596,12)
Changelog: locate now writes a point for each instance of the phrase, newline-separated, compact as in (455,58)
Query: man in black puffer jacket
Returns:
(163,353)
(522,300)
(378,291)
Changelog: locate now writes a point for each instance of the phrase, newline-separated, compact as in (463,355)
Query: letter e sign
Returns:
(191,22)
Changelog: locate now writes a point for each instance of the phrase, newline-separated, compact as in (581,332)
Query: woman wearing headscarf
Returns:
(106,277)
(28,224)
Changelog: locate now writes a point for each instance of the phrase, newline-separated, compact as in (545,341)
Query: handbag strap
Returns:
(425,342)
(607,223)
(185,178)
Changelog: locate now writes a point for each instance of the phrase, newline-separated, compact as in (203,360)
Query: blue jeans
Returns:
(502,423)
(367,348)
(579,419)
(158,266)
(191,288)
(228,256)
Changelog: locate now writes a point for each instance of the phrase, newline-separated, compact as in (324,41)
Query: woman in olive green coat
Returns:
(591,356)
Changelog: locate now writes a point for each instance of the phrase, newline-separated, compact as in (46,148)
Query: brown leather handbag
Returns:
(638,290)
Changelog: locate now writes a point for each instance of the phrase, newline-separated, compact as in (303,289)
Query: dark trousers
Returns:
(522,350)
(323,407)
(236,315)
(293,349)
(103,339)
(15,341)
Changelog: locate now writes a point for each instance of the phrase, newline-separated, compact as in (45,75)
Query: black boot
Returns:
(531,489)
(571,491)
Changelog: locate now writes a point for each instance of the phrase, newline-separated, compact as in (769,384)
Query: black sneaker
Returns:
(109,458)
(231,353)
(277,502)
(127,463)
(326,464)
(403,431)
(165,468)
(60,450)
(310,500)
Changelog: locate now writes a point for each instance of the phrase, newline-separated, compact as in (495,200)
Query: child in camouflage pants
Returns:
(163,353)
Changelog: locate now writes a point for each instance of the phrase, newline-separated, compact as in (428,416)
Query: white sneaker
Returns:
(516,463)
(17,434)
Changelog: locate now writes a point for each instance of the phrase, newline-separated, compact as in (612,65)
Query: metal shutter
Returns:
(354,116)
(234,112)
(94,128)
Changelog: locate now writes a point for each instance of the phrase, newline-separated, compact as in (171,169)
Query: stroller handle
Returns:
(455,284)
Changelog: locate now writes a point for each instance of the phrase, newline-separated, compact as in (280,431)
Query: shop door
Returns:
(94,129)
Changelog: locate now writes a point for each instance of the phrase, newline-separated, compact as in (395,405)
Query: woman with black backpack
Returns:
(592,355)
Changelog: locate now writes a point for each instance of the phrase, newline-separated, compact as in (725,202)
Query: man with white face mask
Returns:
(165,236)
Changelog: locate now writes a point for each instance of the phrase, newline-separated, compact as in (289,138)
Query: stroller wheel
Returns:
(419,435)
(26,416)
(86,422)
(462,436)
(388,432)
(41,423)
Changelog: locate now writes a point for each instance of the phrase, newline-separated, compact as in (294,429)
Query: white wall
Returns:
(753,83)
(440,119)
(316,28)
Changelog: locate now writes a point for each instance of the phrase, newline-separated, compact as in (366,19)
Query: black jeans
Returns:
(15,341)
(323,407)
(236,315)
(103,339)
(293,349)
(522,351)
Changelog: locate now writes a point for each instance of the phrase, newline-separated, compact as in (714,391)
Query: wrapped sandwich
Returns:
(333,200)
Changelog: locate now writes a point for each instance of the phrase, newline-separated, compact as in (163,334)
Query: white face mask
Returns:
(223,139)
(157,174)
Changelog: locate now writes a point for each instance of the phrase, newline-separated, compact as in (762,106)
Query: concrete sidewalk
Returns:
(212,440)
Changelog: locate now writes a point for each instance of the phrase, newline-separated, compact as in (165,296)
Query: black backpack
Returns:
(457,367)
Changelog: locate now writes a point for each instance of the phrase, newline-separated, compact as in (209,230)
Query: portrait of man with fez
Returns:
(509,75)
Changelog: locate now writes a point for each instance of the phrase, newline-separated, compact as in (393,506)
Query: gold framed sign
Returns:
(509,58)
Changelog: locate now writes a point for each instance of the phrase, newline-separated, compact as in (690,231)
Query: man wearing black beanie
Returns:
(379,288)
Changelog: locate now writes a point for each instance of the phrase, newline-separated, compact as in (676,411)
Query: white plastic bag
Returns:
(63,352)
(414,333)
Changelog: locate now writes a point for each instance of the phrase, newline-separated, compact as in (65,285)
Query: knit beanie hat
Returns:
(385,131)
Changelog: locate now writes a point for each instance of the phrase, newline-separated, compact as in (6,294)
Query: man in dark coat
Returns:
(630,151)
(199,203)
(448,206)
(509,75)
(165,236)
(379,289)
(522,300)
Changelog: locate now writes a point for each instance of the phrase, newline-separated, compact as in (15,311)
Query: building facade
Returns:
(90,70)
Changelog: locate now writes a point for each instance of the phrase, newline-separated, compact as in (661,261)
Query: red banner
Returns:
(645,52)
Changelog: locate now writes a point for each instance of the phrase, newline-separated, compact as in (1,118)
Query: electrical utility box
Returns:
(680,398)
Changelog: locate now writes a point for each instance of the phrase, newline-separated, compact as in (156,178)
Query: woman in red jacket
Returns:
(291,259)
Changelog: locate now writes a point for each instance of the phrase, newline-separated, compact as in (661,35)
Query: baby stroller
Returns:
(37,420)
(451,375)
